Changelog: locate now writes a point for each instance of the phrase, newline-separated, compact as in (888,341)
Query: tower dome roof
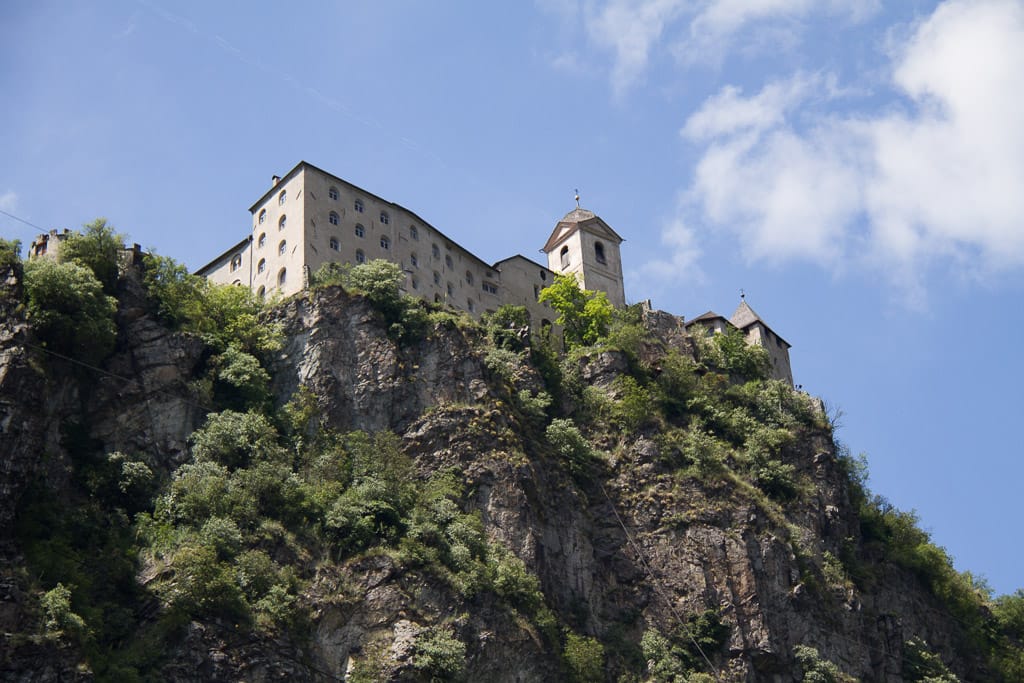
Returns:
(577,215)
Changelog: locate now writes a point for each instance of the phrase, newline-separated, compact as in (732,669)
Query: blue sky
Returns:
(855,166)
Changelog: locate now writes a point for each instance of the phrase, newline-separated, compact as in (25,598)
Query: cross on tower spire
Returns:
(577,198)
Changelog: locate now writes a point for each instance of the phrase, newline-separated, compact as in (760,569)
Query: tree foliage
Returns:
(68,310)
(96,247)
(583,314)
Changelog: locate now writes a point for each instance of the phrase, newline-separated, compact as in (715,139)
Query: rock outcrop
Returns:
(622,548)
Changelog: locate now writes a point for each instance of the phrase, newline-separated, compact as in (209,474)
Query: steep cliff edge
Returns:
(457,504)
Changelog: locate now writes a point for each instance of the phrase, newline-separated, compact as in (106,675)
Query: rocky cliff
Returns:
(657,519)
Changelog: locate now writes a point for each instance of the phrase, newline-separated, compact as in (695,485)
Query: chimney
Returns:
(274,180)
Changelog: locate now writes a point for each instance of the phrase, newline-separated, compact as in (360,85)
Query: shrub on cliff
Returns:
(96,247)
(584,315)
(68,310)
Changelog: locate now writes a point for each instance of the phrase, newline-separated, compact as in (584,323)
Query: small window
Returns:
(435,251)
(236,262)
(536,292)
(415,283)
(360,232)
(360,256)
(262,265)
(437,278)
(448,260)
(263,216)
(333,219)
(334,244)
(413,232)
(470,305)
(384,218)
(358,205)
(490,289)
(261,293)
(469,278)
(281,248)
(414,260)
(599,253)
(451,290)
(385,243)
(262,241)
(333,193)
(282,197)
(543,275)
(282,275)
(281,223)
(564,254)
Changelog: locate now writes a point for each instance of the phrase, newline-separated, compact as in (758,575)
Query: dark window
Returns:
(599,253)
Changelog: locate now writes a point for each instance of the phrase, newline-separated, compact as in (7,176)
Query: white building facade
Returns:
(310,217)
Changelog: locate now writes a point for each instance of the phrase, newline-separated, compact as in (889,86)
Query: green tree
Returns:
(10,253)
(583,314)
(97,247)
(68,309)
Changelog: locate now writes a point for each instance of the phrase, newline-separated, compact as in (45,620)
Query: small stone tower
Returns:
(586,246)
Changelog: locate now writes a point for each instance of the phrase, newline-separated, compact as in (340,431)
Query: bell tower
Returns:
(587,247)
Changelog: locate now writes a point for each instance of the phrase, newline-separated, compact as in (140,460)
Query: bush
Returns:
(97,247)
(240,381)
(506,325)
(439,655)
(380,282)
(584,658)
(818,670)
(58,618)
(68,310)
(568,443)
(583,314)
(233,439)
(10,253)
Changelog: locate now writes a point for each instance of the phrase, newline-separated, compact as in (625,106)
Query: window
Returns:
(261,293)
(263,215)
(536,292)
(564,254)
(360,232)
(358,205)
(282,275)
(415,283)
(236,262)
(435,250)
(281,248)
(384,218)
(543,275)
(413,232)
(599,253)
(281,197)
(333,193)
(490,289)
(448,260)
(281,223)
(471,305)
(437,278)
(469,278)
(262,265)
(414,260)
(334,244)
(451,290)
(262,241)
(333,219)
(360,256)
(385,243)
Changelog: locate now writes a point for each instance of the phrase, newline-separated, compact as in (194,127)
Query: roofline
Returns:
(305,164)
(244,242)
(552,242)
(530,260)
(767,327)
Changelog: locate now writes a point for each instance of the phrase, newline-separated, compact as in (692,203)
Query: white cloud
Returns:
(683,259)
(934,179)
(8,200)
(630,28)
(692,30)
